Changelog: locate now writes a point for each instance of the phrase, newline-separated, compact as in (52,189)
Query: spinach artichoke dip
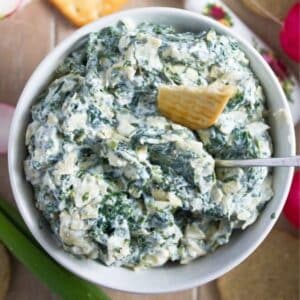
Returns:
(121,184)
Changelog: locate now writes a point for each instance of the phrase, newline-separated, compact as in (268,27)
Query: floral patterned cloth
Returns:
(217,10)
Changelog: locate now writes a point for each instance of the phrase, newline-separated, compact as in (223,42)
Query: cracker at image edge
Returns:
(270,273)
(83,12)
(4,272)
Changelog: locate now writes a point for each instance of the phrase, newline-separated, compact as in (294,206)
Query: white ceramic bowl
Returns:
(172,277)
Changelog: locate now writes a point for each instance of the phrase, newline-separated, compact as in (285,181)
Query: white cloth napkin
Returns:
(217,10)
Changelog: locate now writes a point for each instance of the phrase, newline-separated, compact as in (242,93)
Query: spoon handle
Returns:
(290,161)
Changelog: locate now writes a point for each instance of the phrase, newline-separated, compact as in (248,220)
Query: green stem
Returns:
(12,213)
(59,280)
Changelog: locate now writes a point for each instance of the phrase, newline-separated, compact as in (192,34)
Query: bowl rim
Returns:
(66,45)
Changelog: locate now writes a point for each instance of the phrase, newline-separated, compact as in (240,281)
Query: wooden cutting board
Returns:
(25,40)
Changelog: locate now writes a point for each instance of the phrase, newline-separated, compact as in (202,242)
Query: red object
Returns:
(290,33)
(276,65)
(9,8)
(292,205)
(217,12)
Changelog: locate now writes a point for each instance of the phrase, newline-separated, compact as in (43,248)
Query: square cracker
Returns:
(81,12)
(194,107)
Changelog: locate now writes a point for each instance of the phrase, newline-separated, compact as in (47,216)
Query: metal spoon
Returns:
(290,161)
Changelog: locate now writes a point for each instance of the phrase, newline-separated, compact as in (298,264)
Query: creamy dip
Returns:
(123,185)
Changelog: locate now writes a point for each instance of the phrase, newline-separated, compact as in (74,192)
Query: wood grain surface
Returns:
(26,38)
